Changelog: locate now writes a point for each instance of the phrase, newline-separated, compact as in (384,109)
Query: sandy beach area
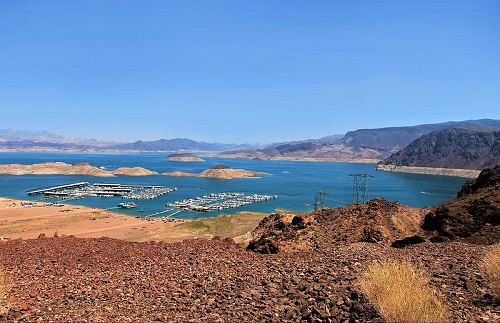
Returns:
(27,220)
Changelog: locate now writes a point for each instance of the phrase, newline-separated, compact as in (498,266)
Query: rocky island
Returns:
(185,157)
(60,168)
(220,172)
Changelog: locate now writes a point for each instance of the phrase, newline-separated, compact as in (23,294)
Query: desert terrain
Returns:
(89,266)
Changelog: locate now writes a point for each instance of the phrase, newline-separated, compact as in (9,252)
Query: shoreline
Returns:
(305,159)
(27,220)
(23,219)
(466,173)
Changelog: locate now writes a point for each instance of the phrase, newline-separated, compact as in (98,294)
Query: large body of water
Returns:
(295,183)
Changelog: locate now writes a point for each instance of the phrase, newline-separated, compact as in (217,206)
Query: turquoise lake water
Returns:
(295,183)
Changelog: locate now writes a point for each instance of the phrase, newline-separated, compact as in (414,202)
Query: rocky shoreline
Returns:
(467,173)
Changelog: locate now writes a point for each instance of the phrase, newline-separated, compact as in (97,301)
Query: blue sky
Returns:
(245,71)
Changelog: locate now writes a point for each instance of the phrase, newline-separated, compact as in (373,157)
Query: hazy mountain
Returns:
(462,148)
(20,135)
(26,138)
(44,140)
(178,144)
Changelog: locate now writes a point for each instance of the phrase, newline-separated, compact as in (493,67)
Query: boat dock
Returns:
(219,202)
(83,189)
(44,190)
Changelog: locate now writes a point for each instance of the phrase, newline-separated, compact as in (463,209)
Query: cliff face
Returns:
(462,148)
(474,215)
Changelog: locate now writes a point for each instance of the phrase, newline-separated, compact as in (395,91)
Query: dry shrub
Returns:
(491,267)
(400,292)
(4,288)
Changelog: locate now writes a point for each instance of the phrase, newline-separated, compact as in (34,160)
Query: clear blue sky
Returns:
(245,71)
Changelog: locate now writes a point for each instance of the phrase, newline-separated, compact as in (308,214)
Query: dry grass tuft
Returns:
(4,288)
(491,267)
(401,293)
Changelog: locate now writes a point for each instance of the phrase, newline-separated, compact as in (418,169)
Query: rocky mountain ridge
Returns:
(459,148)
(474,215)
(362,144)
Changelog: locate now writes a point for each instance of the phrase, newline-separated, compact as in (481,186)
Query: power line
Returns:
(360,188)
(319,200)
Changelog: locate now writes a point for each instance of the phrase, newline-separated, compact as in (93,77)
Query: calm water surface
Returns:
(295,183)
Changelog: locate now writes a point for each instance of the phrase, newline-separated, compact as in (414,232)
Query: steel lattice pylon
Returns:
(319,200)
(360,188)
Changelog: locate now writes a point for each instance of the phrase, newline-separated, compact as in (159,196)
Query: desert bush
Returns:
(400,292)
(491,267)
(4,288)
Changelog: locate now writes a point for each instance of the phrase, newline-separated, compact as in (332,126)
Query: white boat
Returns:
(128,205)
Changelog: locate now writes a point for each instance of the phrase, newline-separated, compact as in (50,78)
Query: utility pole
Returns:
(319,200)
(360,188)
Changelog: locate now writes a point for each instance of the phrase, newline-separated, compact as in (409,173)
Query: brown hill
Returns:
(473,215)
(378,221)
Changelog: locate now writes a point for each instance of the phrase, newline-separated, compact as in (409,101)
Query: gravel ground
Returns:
(71,279)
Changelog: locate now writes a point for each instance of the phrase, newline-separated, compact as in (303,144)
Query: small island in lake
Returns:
(220,172)
(60,168)
(185,157)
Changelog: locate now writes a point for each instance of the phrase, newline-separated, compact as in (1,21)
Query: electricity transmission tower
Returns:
(319,200)
(360,188)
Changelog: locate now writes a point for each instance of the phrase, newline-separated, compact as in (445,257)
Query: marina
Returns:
(84,189)
(220,201)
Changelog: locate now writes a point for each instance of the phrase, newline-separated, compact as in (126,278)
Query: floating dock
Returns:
(83,189)
(44,190)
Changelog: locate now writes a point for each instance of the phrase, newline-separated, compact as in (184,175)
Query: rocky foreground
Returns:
(69,279)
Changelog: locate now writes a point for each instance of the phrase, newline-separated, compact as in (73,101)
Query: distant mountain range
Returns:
(26,139)
(371,144)
(178,144)
(461,148)
(362,144)
(44,140)
(395,138)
